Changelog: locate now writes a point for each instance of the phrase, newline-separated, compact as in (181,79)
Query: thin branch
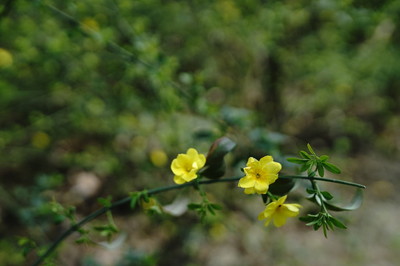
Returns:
(154,191)
(325,179)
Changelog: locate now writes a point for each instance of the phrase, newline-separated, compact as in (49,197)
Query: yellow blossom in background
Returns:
(151,205)
(158,158)
(6,58)
(259,175)
(279,212)
(186,166)
(40,140)
(90,24)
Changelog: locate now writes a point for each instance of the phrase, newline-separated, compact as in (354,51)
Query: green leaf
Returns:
(210,209)
(327,195)
(317,199)
(310,148)
(194,206)
(134,199)
(353,205)
(328,222)
(296,160)
(320,169)
(216,206)
(307,219)
(331,168)
(337,223)
(282,186)
(304,167)
(310,191)
(105,202)
(324,158)
(215,164)
(312,222)
(305,155)
(317,225)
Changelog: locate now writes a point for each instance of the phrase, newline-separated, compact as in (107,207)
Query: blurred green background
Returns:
(98,96)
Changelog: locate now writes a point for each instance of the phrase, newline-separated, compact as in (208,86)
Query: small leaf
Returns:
(338,223)
(307,219)
(327,195)
(305,155)
(317,225)
(325,230)
(311,172)
(215,165)
(329,223)
(296,160)
(194,206)
(318,200)
(304,167)
(210,209)
(312,222)
(216,206)
(324,158)
(310,148)
(310,191)
(134,199)
(105,202)
(282,186)
(320,169)
(331,168)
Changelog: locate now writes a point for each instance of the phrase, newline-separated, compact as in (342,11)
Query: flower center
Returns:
(258,175)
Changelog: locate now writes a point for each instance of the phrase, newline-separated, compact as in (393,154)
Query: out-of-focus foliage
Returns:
(106,91)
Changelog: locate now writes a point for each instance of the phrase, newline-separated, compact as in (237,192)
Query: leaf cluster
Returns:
(204,208)
(137,196)
(107,230)
(313,164)
(324,220)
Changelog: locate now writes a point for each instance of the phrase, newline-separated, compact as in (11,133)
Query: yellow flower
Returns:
(6,59)
(279,212)
(185,166)
(158,158)
(259,175)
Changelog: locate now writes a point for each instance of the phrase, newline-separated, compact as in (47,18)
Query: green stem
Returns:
(271,196)
(154,191)
(323,179)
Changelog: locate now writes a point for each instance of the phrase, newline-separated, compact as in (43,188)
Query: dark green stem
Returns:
(337,181)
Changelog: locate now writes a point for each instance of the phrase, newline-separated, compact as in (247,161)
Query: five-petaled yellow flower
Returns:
(279,212)
(259,175)
(185,166)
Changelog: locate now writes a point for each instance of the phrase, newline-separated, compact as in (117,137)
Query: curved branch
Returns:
(154,191)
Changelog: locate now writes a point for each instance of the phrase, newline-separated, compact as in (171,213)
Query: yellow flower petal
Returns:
(267,221)
(251,160)
(281,200)
(272,178)
(179,180)
(279,220)
(261,185)
(177,167)
(272,167)
(266,159)
(261,216)
(246,182)
(189,176)
(249,191)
